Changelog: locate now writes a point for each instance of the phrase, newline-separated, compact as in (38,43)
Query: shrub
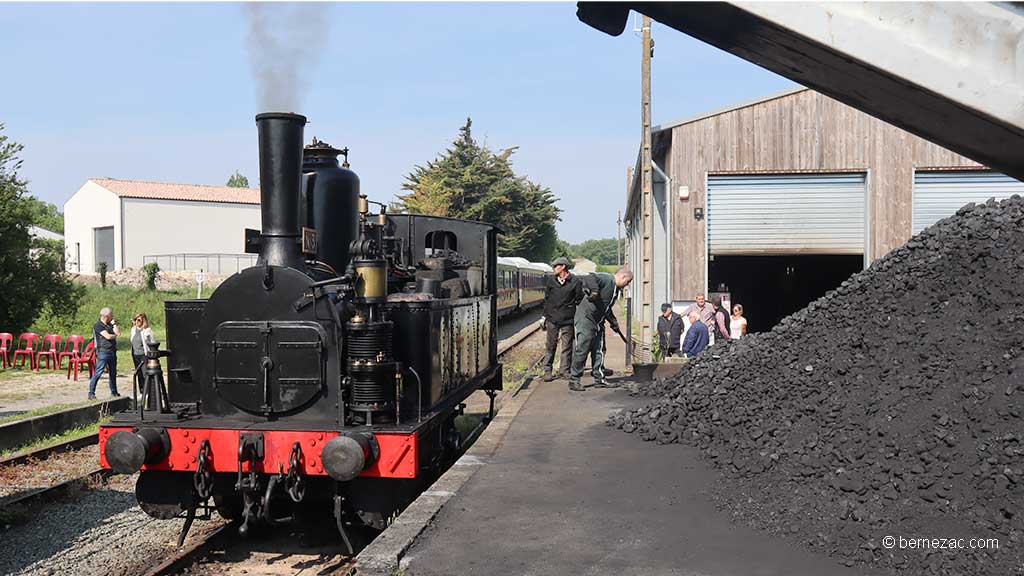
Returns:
(150,270)
(103,274)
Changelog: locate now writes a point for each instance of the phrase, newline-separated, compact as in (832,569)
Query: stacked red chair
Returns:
(72,348)
(86,358)
(27,343)
(6,345)
(49,350)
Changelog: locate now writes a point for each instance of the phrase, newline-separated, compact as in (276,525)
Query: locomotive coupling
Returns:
(128,451)
(348,454)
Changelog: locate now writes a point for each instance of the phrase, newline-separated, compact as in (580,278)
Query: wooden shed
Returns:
(777,200)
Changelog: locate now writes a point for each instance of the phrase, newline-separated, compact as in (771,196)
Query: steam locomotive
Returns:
(330,373)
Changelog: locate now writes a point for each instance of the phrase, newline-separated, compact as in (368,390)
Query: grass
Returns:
(465,424)
(65,436)
(13,373)
(515,371)
(126,302)
(40,412)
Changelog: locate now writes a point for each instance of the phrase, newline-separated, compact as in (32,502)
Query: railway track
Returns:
(36,495)
(46,452)
(207,553)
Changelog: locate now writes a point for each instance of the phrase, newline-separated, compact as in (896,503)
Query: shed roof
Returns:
(656,136)
(181,192)
(39,232)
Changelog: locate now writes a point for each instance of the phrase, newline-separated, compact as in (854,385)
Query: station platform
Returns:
(563,493)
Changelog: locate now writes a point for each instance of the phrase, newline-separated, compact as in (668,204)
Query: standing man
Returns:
(705,310)
(600,291)
(562,292)
(670,329)
(105,333)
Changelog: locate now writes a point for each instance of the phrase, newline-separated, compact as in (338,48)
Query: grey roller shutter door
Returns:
(786,214)
(940,194)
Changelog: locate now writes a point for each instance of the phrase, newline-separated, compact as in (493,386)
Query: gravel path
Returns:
(101,532)
(22,391)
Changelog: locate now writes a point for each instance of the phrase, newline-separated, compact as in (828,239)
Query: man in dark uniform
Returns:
(670,330)
(561,293)
(600,290)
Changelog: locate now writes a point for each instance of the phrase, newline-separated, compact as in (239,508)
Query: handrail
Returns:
(214,263)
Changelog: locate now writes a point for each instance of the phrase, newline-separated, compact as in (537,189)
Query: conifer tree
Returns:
(470,181)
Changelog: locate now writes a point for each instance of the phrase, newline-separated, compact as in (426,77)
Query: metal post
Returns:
(629,332)
(618,239)
(646,268)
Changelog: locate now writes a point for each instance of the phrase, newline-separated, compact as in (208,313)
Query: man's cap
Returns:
(666,306)
(561,261)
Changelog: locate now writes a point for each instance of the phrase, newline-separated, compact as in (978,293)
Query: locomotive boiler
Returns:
(327,376)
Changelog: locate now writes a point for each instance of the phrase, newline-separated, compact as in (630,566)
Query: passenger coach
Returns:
(520,285)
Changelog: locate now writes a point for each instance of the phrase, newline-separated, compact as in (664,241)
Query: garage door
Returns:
(786,214)
(940,194)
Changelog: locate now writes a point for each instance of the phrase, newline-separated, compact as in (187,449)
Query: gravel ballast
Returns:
(890,407)
(96,532)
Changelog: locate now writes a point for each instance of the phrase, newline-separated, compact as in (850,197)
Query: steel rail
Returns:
(182,556)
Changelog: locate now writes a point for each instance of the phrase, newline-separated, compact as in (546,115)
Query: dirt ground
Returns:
(24,390)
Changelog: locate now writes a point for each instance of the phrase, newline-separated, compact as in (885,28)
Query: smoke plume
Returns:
(284,43)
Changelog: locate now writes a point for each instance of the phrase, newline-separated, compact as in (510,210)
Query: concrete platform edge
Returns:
(22,432)
(384,556)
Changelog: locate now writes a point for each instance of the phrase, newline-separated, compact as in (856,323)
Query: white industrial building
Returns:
(127,223)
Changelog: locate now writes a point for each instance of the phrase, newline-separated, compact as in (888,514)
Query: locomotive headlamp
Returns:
(128,451)
(345,456)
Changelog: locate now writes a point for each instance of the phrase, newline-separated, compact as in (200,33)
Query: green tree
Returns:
(45,215)
(563,248)
(238,181)
(470,181)
(601,251)
(30,282)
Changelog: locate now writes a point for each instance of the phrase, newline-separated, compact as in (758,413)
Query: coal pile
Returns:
(892,406)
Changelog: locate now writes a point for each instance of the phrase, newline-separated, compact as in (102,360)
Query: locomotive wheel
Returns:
(164,495)
(229,505)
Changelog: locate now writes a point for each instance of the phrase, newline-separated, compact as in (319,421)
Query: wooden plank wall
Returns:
(804,131)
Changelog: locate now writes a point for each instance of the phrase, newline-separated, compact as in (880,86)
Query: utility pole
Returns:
(646,268)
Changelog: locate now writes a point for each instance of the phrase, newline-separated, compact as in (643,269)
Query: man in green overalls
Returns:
(600,290)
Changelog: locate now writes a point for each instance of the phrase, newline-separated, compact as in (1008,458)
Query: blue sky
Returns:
(165,92)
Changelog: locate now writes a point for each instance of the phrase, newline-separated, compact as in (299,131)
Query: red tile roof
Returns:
(186,192)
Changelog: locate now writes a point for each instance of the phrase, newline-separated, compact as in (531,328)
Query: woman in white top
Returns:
(141,337)
(737,324)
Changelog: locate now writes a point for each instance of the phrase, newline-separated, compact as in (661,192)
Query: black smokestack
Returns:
(280,178)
